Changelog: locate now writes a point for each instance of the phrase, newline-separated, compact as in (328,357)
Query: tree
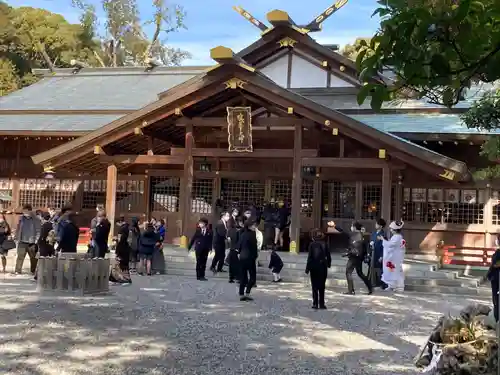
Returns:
(437,49)
(124,41)
(35,38)
(351,50)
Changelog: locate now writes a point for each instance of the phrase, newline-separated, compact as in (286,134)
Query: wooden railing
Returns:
(465,256)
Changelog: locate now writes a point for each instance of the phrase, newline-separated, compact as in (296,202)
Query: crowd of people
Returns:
(45,234)
(139,247)
(240,234)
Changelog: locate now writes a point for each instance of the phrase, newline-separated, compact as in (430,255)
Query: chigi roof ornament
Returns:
(279,17)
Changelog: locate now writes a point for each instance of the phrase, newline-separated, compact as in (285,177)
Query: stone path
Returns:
(168,325)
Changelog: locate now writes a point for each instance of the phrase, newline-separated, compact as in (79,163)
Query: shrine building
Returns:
(278,120)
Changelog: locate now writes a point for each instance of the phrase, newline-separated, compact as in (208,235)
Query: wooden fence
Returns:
(73,273)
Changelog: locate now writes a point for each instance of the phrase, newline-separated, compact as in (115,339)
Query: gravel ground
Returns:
(172,326)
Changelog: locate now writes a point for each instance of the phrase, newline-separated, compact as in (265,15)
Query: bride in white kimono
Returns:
(393,258)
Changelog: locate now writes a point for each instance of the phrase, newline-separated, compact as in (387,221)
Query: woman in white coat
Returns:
(393,258)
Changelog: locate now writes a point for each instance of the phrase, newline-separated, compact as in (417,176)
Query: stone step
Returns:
(337,259)
(296,274)
(336,267)
(342,283)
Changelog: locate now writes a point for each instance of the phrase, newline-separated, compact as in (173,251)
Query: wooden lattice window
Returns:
(94,193)
(339,200)
(201,201)
(453,206)
(44,193)
(129,195)
(242,193)
(307,198)
(281,190)
(165,193)
(372,202)
(5,194)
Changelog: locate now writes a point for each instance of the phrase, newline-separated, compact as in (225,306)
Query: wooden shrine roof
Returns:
(214,84)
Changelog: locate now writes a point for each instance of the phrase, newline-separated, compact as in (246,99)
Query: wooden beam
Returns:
(111,181)
(343,162)
(296,190)
(386,193)
(225,55)
(279,17)
(215,122)
(258,153)
(141,159)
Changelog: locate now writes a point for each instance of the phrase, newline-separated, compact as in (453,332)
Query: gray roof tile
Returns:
(54,122)
(418,123)
(87,91)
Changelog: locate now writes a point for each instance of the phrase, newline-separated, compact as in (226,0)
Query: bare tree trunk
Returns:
(99,59)
(46,57)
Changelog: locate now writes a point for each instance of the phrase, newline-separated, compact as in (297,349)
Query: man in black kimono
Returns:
(220,238)
(202,241)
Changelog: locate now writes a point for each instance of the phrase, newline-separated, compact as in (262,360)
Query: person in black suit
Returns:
(248,259)
(69,234)
(318,262)
(220,238)
(202,241)
(100,235)
(233,260)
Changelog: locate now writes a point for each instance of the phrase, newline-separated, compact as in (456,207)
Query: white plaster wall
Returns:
(339,82)
(306,74)
(277,70)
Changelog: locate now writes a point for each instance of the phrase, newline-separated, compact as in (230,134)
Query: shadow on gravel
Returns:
(168,325)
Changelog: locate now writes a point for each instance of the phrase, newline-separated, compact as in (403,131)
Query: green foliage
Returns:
(484,114)
(9,79)
(436,48)
(351,51)
(124,41)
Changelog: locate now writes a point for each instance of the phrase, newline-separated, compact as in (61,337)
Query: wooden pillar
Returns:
(398,209)
(386,193)
(317,200)
(111,181)
(186,193)
(489,238)
(296,190)
(147,197)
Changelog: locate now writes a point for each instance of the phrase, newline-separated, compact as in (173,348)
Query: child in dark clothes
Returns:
(276,265)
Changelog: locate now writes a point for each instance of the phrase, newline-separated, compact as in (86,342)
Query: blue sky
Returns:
(213,22)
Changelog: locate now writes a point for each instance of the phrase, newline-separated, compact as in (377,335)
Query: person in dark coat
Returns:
(158,262)
(356,254)
(202,242)
(233,260)
(69,233)
(147,242)
(5,232)
(276,265)
(135,233)
(283,223)
(494,276)
(46,240)
(122,245)
(318,262)
(377,247)
(270,216)
(100,236)
(248,257)
(220,238)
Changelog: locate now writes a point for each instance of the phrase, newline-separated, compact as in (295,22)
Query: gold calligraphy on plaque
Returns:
(239,129)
